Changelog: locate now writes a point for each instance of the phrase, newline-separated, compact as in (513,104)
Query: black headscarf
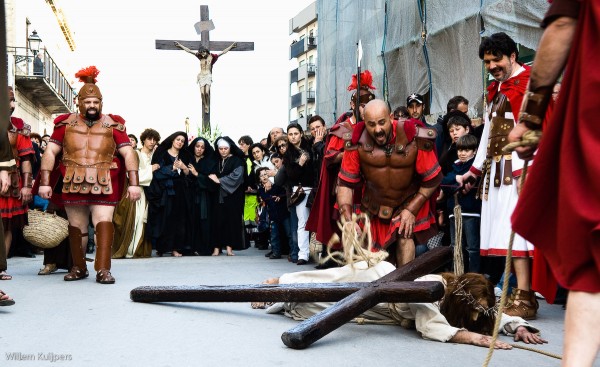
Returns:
(208,148)
(166,144)
(207,164)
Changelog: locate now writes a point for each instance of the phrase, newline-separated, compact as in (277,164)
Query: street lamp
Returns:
(34,45)
(34,42)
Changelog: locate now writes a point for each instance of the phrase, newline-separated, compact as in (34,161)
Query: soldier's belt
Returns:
(94,179)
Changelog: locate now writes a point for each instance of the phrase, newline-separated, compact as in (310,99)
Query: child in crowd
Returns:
(273,198)
(466,146)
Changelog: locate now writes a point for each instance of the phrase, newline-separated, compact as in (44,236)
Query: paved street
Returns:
(98,325)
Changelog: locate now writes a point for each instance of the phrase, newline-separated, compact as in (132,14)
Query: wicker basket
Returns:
(45,230)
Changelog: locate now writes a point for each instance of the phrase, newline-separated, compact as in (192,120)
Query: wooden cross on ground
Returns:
(203,27)
(354,298)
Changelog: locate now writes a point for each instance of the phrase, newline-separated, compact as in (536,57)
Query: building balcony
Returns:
(302,72)
(302,98)
(302,46)
(42,81)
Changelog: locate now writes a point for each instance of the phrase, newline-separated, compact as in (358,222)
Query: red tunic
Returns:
(116,175)
(427,167)
(13,211)
(558,210)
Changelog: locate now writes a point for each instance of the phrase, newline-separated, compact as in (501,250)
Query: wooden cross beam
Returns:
(203,27)
(356,298)
(301,292)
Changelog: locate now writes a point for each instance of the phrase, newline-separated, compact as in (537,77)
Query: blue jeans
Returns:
(276,236)
(470,241)
(294,249)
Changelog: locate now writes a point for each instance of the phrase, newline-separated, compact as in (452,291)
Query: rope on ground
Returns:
(549,354)
(530,138)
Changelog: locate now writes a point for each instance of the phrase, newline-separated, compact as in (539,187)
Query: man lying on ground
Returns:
(466,314)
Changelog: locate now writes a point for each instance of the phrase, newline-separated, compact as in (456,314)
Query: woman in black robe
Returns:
(229,218)
(168,208)
(203,195)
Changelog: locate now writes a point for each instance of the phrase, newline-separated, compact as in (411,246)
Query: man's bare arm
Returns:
(550,60)
(468,337)
(233,45)
(48,160)
(552,53)
(344,200)
(132,166)
(49,157)
(177,44)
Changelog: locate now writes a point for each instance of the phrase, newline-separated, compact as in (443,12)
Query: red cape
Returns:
(558,207)
(322,219)
(514,88)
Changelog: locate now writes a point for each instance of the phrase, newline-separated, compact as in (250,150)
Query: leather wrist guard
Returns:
(134,178)
(45,177)
(533,109)
(346,211)
(416,203)
(27,179)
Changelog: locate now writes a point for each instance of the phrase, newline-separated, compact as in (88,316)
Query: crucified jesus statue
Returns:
(204,79)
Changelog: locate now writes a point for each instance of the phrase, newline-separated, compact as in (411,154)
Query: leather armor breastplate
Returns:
(500,127)
(390,175)
(88,154)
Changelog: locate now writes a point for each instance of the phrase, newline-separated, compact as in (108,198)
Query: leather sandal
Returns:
(5,299)
(522,309)
(76,273)
(48,269)
(104,277)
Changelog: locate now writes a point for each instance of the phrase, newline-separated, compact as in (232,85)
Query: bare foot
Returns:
(263,305)
(175,253)
(5,299)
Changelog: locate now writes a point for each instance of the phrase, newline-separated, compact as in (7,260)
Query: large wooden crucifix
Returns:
(201,49)
(354,298)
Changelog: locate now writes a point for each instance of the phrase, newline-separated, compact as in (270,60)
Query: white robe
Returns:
(141,206)
(429,322)
(501,201)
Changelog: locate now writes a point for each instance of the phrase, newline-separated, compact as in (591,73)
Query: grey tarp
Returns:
(391,33)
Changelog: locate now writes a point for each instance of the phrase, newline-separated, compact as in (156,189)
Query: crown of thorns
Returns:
(467,297)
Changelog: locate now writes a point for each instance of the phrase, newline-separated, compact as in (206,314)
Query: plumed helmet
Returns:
(366,85)
(90,89)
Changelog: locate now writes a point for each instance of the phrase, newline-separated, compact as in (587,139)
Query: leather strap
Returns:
(27,179)
(507,179)
(134,178)
(533,109)
(45,177)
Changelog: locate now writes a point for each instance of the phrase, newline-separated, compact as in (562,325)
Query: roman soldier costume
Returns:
(409,159)
(12,208)
(89,173)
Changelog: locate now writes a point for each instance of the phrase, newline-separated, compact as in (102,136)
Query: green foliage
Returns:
(209,135)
